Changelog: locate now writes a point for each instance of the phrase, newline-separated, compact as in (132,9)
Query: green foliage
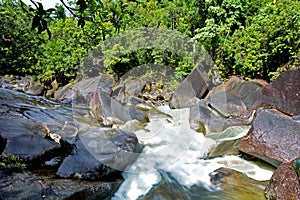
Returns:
(63,54)
(257,39)
(150,45)
(268,45)
(41,18)
(11,162)
(19,46)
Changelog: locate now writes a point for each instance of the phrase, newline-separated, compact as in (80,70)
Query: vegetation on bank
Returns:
(255,39)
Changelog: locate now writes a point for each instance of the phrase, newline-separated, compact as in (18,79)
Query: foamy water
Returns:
(171,146)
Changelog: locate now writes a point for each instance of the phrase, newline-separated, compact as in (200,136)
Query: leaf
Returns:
(40,28)
(81,23)
(40,8)
(44,24)
(35,22)
(49,33)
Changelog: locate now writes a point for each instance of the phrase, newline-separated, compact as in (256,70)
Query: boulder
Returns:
(285,183)
(227,104)
(225,148)
(236,185)
(22,185)
(246,91)
(284,92)
(100,152)
(35,89)
(15,83)
(131,87)
(82,91)
(27,124)
(273,137)
(25,139)
(109,111)
(195,86)
(154,93)
(205,118)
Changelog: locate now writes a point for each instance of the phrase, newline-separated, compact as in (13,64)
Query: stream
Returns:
(173,163)
(174,153)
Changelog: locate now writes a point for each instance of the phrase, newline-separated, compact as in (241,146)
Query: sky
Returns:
(46,3)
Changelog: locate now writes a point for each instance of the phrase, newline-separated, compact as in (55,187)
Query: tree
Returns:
(269,45)
(20,46)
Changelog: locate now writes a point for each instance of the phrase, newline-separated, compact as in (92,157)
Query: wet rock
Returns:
(79,189)
(195,86)
(284,184)
(22,185)
(109,111)
(227,104)
(273,137)
(207,119)
(25,139)
(225,148)
(170,188)
(236,185)
(24,124)
(100,152)
(246,91)
(83,91)
(284,92)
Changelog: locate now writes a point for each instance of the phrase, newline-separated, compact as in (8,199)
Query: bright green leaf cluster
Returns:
(11,162)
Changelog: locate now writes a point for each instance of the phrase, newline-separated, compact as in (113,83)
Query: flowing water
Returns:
(174,154)
(172,164)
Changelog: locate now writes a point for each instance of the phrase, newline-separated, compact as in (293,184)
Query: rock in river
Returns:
(285,183)
(25,139)
(100,152)
(273,137)
(195,86)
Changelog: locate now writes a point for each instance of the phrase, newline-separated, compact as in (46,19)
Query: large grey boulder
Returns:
(100,152)
(81,92)
(25,139)
(206,118)
(195,86)
(248,92)
(273,137)
(109,111)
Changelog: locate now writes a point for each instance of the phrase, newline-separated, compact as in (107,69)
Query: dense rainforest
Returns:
(254,39)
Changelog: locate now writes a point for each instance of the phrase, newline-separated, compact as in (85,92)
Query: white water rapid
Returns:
(171,146)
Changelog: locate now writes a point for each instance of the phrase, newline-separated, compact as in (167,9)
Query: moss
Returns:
(11,162)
